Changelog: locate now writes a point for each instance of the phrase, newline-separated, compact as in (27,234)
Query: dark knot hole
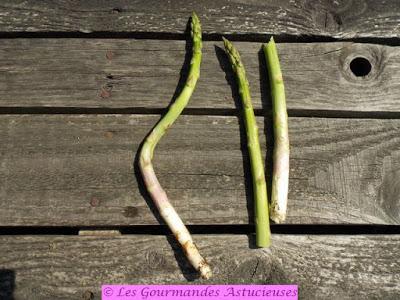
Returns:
(360,67)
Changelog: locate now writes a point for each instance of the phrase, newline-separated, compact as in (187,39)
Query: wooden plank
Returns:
(324,267)
(145,73)
(339,19)
(78,170)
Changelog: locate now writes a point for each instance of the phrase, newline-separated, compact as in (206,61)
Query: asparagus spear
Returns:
(280,175)
(154,188)
(257,169)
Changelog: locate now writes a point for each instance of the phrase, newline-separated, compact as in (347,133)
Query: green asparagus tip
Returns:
(233,54)
(196,27)
(195,18)
(270,44)
(271,40)
(227,43)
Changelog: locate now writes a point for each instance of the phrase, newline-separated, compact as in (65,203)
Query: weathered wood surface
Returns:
(325,267)
(78,170)
(338,19)
(145,73)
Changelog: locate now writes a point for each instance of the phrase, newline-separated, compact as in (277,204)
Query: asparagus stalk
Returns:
(153,186)
(280,175)
(263,233)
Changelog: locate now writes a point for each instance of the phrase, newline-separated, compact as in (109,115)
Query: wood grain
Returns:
(145,74)
(78,170)
(338,19)
(334,267)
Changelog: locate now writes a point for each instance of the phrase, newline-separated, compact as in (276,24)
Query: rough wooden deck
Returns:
(81,84)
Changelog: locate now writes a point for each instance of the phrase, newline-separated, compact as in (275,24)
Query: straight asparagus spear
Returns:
(257,168)
(280,175)
(153,186)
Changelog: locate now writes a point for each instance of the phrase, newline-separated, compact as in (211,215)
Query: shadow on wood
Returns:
(7,284)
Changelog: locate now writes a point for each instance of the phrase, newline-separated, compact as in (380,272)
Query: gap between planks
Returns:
(209,37)
(303,113)
(282,229)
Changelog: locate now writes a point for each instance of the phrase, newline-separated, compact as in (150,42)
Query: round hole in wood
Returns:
(360,66)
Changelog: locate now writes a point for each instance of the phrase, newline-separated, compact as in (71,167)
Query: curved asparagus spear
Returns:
(280,175)
(257,168)
(154,188)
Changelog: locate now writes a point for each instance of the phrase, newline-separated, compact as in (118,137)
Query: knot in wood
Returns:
(155,259)
(87,295)
(362,64)
(130,212)
(326,20)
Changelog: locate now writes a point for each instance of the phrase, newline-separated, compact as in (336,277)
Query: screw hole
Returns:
(360,67)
